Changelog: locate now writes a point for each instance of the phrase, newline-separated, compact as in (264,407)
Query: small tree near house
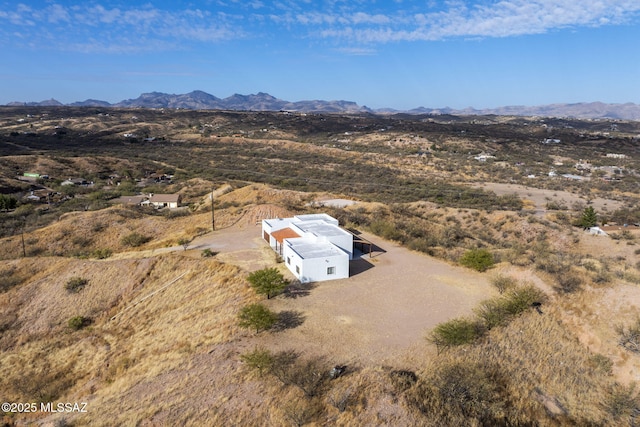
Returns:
(268,281)
(257,316)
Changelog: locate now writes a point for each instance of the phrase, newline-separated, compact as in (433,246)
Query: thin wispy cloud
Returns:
(105,28)
(488,19)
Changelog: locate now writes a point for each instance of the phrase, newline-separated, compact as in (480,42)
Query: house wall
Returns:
(315,269)
(269,226)
(343,242)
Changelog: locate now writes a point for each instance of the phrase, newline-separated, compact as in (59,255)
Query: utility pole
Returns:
(24,249)
(213,215)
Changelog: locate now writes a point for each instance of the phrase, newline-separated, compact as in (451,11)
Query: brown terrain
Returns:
(160,342)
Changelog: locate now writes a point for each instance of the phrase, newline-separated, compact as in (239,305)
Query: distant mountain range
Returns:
(199,100)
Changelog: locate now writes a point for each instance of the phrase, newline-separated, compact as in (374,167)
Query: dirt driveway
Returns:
(380,315)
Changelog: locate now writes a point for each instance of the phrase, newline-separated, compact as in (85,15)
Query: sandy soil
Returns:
(541,196)
(380,315)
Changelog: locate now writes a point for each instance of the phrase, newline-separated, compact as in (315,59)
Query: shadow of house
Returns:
(359,265)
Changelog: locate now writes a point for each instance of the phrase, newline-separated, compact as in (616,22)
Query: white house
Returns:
(313,247)
(170,201)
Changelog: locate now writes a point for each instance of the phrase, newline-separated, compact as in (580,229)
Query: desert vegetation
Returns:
(115,304)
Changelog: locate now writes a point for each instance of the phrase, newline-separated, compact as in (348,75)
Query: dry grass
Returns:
(112,360)
(174,357)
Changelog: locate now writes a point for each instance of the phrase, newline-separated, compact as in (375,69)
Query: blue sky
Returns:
(396,53)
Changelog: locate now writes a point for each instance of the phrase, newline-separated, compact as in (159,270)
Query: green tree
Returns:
(259,359)
(7,202)
(268,281)
(589,218)
(257,316)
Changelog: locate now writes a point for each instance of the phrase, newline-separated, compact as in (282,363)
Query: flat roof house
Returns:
(314,247)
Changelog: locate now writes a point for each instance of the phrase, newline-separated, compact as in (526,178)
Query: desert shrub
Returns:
(176,213)
(134,239)
(403,379)
(44,383)
(76,284)
(302,412)
(98,227)
(622,403)
(568,283)
(8,279)
(499,311)
(601,276)
(342,397)
(78,322)
(589,265)
(81,241)
(386,230)
(309,375)
(455,332)
(462,393)
(601,363)
(184,242)
(553,263)
(477,259)
(631,277)
(521,298)
(103,253)
(493,313)
(554,205)
(503,283)
(207,253)
(629,336)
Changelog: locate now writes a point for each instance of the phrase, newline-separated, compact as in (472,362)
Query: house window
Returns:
(298,269)
(331,270)
(288,260)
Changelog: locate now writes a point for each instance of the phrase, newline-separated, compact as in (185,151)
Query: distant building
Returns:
(76,181)
(170,201)
(313,247)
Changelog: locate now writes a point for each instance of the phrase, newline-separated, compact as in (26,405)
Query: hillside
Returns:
(134,310)
(199,100)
